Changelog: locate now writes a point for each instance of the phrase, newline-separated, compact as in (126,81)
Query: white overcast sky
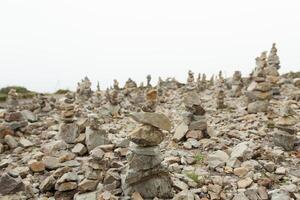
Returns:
(51,44)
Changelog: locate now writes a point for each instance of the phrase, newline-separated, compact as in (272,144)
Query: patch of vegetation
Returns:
(292,74)
(23,92)
(199,157)
(62,91)
(193,176)
(3,97)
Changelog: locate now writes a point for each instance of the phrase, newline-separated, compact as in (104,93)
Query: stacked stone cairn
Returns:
(236,84)
(12,100)
(272,74)
(84,90)
(144,173)
(201,83)
(194,121)
(160,91)
(112,96)
(116,84)
(130,86)
(97,163)
(151,101)
(68,130)
(259,91)
(190,85)
(220,96)
(148,81)
(285,130)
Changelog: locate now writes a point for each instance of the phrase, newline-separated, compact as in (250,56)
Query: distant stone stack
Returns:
(144,173)
(285,132)
(130,86)
(201,83)
(273,58)
(148,81)
(12,100)
(112,96)
(68,130)
(190,84)
(84,90)
(194,121)
(151,101)
(220,98)
(259,91)
(236,84)
(271,70)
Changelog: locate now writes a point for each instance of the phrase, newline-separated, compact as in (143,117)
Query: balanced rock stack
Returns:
(84,90)
(190,85)
(94,135)
(144,173)
(220,96)
(201,83)
(112,96)
(68,130)
(237,84)
(194,123)
(272,74)
(12,100)
(259,93)
(149,81)
(130,86)
(285,133)
(151,101)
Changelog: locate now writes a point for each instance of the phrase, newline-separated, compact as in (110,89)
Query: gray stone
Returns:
(217,159)
(68,132)
(158,120)
(284,140)
(29,116)
(11,141)
(280,195)
(10,185)
(146,136)
(180,132)
(258,106)
(47,184)
(79,149)
(94,138)
(25,143)
(51,162)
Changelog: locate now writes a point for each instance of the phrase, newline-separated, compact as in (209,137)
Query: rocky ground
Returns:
(238,160)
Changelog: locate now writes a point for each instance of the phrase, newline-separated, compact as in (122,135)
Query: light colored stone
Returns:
(158,120)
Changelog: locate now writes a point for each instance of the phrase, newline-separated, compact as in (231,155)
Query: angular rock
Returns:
(68,132)
(10,185)
(146,136)
(217,159)
(158,120)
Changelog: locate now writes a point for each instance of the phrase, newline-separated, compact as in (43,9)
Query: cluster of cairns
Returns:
(219,138)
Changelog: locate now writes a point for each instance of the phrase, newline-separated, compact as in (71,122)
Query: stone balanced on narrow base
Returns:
(285,132)
(144,172)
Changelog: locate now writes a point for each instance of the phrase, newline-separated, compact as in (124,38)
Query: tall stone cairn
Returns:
(285,132)
(272,73)
(144,173)
(236,85)
(12,100)
(190,84)
(68,130)
(259,91)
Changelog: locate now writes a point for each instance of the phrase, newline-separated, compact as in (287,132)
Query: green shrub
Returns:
(20,90)
(3,97)
(199,157)
(193,176)
(62,91)
(23,92)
